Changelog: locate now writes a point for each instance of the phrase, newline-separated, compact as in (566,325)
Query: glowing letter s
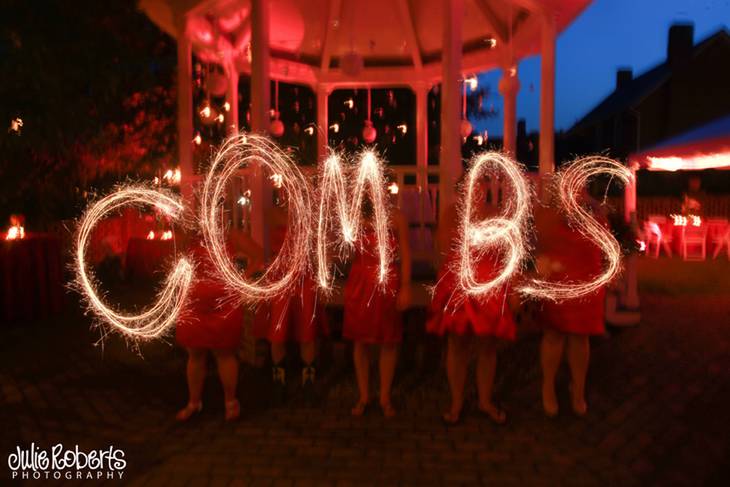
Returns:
(571,181)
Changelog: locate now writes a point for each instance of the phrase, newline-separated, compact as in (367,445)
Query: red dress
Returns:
(580,260)
(209,323)
(452,311)
(371,313)
(298,315)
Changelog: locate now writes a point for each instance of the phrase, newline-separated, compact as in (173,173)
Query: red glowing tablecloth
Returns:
(31,277)
(146,258)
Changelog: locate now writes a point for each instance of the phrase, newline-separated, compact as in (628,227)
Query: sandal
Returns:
(360,409)
(233,410)
(496,415)
(580,408)
(550,409)
(388,410)
(450,419)
(189,411)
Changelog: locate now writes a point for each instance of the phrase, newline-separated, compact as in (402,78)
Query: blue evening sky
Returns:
(608,34)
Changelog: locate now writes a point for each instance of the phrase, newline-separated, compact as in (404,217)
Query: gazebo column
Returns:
(260,118)
(232,99)
(450,166)
(237,211)
(547,95)
(631,265)
(185,113)
(323,94)
(421,90)
(509,85)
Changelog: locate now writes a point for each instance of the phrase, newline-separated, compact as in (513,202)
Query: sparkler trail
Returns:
(293,258)
(503,234)
(155,321)
(334,204)
(570,182)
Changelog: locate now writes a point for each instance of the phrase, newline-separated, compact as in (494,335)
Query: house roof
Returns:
(635,90)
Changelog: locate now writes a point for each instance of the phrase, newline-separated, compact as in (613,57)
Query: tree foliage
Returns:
(92,82)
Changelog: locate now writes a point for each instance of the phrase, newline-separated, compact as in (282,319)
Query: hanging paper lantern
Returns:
(208,114)
(276,128)
(369,133)
(466,128)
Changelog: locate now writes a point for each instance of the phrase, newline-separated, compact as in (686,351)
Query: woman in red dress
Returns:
(373,309)
(468,320)
(215,326)
(565,255)
(297,316)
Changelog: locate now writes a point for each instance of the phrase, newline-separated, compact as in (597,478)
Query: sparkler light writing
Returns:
(503,234)
(156,320)
(334,204)
(293,258)
(337,225)
(571,181)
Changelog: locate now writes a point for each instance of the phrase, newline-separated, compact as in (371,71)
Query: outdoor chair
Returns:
(718,232)
(694,242)
(657,239)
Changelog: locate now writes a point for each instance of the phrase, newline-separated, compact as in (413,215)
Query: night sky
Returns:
(607,35)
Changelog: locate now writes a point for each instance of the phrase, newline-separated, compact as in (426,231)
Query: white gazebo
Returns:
(329,44)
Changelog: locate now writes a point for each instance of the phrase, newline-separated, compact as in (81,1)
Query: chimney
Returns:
(681,41)
(623,77)
(521,128)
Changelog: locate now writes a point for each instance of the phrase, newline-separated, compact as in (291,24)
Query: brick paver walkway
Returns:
(659,413)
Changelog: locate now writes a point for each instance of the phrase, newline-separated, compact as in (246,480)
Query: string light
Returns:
(336,209)
(502,235)
(292,260)
(15,232)
(158,318)
(571,182)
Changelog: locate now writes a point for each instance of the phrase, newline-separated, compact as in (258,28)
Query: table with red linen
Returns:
(147,258)
(31,277)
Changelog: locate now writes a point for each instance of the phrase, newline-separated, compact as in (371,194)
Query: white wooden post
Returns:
(322,122)
(261,193)
(547,95)
(450,167)
(185,112)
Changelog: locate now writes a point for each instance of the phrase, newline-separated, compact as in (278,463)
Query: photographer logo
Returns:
(58,462)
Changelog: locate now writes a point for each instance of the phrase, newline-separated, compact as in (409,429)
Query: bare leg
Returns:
(551,352)
(361,357)
(457,362)
(195,372)
(308,351)
(578,353)
(388,360)
(278,352)
(486,369)
(228,373)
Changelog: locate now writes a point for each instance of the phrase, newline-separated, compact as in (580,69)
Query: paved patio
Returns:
(659,398)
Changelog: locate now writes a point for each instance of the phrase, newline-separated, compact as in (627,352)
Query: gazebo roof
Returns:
(398,41)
